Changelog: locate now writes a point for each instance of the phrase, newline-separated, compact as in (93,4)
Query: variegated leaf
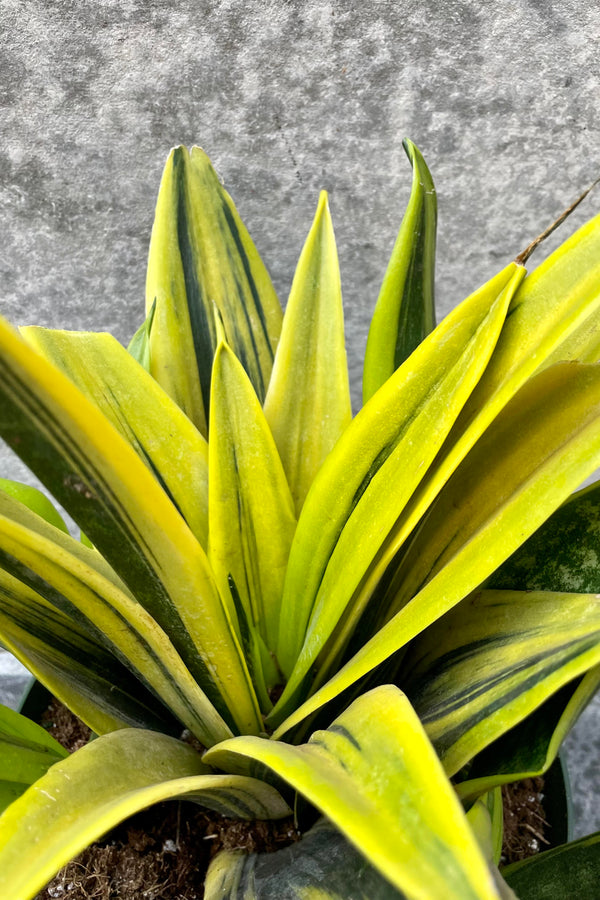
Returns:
(200,254)
(251,511)
(504,490)
(323,866)
(160,433)
(494,659)
(405,310)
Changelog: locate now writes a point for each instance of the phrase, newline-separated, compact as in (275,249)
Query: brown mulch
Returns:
(162,852)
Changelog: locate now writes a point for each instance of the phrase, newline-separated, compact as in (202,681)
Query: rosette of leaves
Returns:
(334,607)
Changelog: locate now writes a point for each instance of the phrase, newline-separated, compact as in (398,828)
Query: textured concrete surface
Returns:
(288,98)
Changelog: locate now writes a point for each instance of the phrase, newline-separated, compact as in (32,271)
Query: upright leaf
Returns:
(308,401)
(374,774)
(251,510)
(405,310)
(200,254)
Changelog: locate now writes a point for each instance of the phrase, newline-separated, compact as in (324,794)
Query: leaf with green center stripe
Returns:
(75,667)
(324,866)
(251,511)
(374,764)
(308,401)
(200,254)
(405,310)
(373,470)
(139,345)
(100,480)
(102,784)
(494,659)
(160,433)
(503,491)
(26,753)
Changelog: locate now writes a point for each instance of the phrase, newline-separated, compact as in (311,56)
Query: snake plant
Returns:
(387,615)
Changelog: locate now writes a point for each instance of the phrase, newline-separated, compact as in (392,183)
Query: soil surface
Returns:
(162,853)
(526,831)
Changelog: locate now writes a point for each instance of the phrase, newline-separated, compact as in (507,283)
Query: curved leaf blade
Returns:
(374,469)
(200,253)
(74,667)
(160,433)
(97,476)
(405,310)
(562,555)
(308,401)
(492,660)
(106,781)
(501,494)
(34,500)
(374,774)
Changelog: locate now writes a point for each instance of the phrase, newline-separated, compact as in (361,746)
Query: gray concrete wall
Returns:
(287,98)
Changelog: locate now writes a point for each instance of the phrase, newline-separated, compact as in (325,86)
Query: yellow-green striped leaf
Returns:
(530,748)
(100,480)
(494,659)
(323,866)
(374,774)
(308,400)
(64,572)
(200,254)
(405,310)
(160,433)
(26,753)
(108,780)
(375,467)
(251,511)
(75,667)
(504,490)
